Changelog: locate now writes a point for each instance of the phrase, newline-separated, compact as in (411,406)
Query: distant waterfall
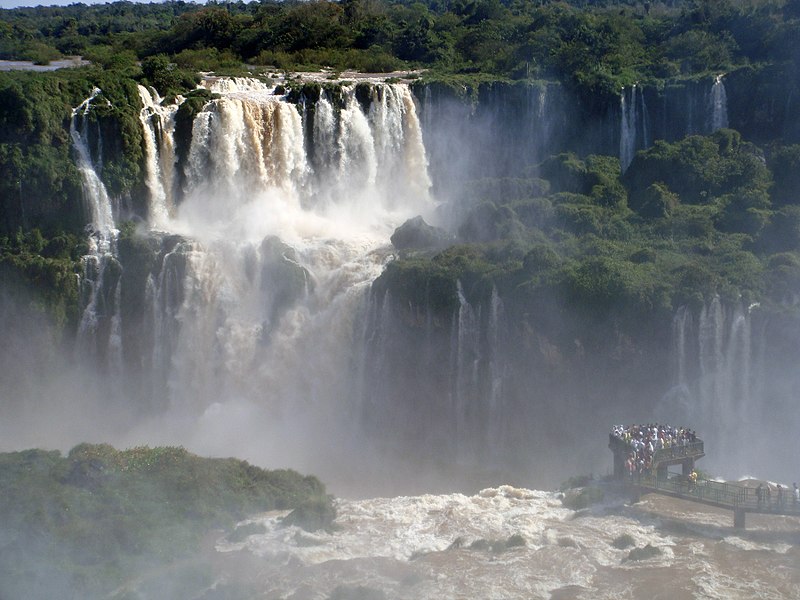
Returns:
(94,191)
(634,126)
(718,105)
(465,357)
(99,329)
(717,377)
(497,411)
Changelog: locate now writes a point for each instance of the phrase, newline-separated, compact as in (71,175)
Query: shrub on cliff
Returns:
(699,169)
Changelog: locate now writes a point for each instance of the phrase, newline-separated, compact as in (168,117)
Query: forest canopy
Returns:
(601,45)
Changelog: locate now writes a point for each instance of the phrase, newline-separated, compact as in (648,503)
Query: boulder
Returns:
(416,234)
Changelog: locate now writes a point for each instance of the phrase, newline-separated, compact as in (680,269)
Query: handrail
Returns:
(678,451)
(722,493)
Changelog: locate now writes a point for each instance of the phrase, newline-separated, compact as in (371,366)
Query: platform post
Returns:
(619,465)
(738,518)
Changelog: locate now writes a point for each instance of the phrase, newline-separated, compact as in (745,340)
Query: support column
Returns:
(619,466)
(687,466)
(738,518)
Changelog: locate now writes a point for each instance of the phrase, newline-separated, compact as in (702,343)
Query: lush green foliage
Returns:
(597,46)
(98,517)
(41,186)
(41,273)
(688,220)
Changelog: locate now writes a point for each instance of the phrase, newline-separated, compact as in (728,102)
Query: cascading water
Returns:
(158,125)
(627,136)
(98,332)
(717,388)
(277,234)
(94,191)
(466,397)
(645,117)
(718,105)
(634,130)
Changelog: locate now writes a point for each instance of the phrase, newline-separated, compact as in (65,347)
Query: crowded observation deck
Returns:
(645,449)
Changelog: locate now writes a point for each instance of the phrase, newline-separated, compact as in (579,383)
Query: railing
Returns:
(678,451)
(725,494)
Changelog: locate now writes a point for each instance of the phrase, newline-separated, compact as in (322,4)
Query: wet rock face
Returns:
(416,234)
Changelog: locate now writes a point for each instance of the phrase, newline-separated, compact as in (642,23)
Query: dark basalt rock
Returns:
(416,234)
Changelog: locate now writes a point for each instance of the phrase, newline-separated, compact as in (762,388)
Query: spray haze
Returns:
(268,243)
(258,328)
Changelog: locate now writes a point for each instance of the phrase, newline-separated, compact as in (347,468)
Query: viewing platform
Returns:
(661,458)
(641,462)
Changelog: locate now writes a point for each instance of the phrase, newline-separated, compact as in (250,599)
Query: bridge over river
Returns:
(739,498)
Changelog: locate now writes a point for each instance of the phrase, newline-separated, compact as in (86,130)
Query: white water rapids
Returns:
(457,546)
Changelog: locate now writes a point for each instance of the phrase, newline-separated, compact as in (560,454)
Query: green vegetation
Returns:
(41,186)
(41,273)
(98,517)
(597,46)
(692,218)
(688,220)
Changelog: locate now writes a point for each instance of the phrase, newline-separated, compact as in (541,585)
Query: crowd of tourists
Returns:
(646,440)
(643,441)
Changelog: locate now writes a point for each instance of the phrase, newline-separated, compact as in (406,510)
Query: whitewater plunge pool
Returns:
(505,543)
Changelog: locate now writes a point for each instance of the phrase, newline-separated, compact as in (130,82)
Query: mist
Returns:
(257,331)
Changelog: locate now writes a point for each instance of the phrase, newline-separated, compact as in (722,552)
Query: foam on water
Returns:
(751,546)
(448,538)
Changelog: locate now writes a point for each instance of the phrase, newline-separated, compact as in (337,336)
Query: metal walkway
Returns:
(738,498)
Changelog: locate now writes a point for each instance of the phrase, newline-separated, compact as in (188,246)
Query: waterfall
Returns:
(634,125)
(465,357)
(255,300)
(324,140)
(717,380)
(718,105)
(158,125)
(427,108)
(681,327)
(497,409)
(98,330)
(627,136)
(94,191)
